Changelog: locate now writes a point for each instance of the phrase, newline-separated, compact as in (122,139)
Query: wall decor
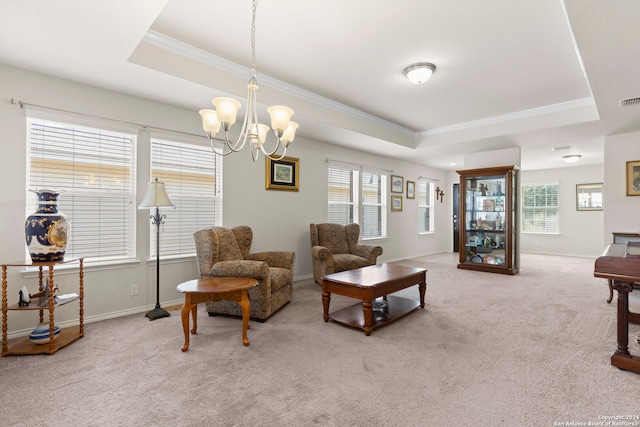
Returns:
(397,184)
(633,178)
(283,174)
(411,190)
(589,197)
(396,203)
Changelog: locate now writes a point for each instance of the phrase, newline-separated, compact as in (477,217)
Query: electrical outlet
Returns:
(134,289)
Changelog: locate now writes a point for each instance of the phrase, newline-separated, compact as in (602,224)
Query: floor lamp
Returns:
(157,197)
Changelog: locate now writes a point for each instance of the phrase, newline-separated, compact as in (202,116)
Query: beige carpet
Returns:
(488,350)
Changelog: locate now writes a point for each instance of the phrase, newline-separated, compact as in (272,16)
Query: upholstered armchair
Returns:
(335,248)
(226,252)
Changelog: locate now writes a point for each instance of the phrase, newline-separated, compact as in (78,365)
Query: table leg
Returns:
(186,308)
(367,310)
(610,283)
(422,288)
(326,299)
(194,316)
(246,311)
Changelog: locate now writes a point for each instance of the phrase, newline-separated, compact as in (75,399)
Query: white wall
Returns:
(581,232)
(625,216)
(280,220)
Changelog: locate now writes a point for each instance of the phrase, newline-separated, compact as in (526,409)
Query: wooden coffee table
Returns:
(367,284)
(215,289)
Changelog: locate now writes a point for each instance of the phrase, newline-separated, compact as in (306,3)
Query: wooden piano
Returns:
(620,264)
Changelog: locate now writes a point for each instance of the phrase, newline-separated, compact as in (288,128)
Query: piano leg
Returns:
(621,357)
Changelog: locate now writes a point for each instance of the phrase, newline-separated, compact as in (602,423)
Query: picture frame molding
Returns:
(395,186)
(632,167)
(411,190)
(289,167)
(396,203)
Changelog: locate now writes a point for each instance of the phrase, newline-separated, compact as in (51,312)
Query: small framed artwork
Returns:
(396,203)
(589,197)
(411,190)
(397,184)
(283,174)
(633,178)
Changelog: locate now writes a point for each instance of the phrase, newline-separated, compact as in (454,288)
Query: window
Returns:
(347,206)
(540,208)
(193,179)
(95,169)
(425,206)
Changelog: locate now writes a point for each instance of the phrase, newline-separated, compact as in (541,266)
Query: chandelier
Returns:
(226,110)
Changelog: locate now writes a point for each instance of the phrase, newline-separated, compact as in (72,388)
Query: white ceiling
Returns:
(536,75)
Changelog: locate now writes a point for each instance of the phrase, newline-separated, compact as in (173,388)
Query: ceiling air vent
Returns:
(630,101)
(564,147)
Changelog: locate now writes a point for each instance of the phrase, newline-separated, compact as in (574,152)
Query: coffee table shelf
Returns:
(354,316)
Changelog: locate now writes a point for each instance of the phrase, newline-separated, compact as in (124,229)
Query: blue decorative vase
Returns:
(46,230)
(40,335)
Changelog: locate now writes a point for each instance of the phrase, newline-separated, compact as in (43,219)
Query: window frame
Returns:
(359,201)
(88,176)
(429,206)
(524,209)
(191,196)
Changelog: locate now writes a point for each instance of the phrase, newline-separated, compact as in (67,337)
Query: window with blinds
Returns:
(425,206)
(358,196)
(95,169)
(540,208)
(193,179)
(343,195)
(373,205)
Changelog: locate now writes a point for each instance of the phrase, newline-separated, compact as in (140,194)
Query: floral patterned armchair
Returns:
(335,248)
(226,252)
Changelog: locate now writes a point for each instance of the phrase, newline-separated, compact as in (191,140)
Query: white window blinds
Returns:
(374,205)
(343,195)
(95,169)
(193,179)
(358,195)
(540,208)
(425,206)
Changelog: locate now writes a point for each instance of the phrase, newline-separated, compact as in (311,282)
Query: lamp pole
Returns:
(158,311)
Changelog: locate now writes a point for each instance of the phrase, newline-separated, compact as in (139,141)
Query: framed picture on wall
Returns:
(633,178)
(396,203)
(411,190)
(589,197)
(283,174)
(397,184)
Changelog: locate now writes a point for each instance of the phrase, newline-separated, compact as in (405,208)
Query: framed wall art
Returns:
(397,184)
(283,174)
(633,178)
(396,203)
(411,190)
(589,197)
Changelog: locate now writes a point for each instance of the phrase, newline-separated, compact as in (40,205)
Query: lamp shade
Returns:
(210,122)
(156,197)
(280,117)
(227,110)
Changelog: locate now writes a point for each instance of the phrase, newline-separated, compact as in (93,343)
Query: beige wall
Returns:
(280,219)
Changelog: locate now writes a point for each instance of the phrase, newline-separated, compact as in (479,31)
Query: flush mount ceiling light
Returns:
(571,158)
(420,72)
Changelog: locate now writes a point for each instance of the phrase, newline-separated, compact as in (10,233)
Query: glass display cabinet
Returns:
(488,206)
